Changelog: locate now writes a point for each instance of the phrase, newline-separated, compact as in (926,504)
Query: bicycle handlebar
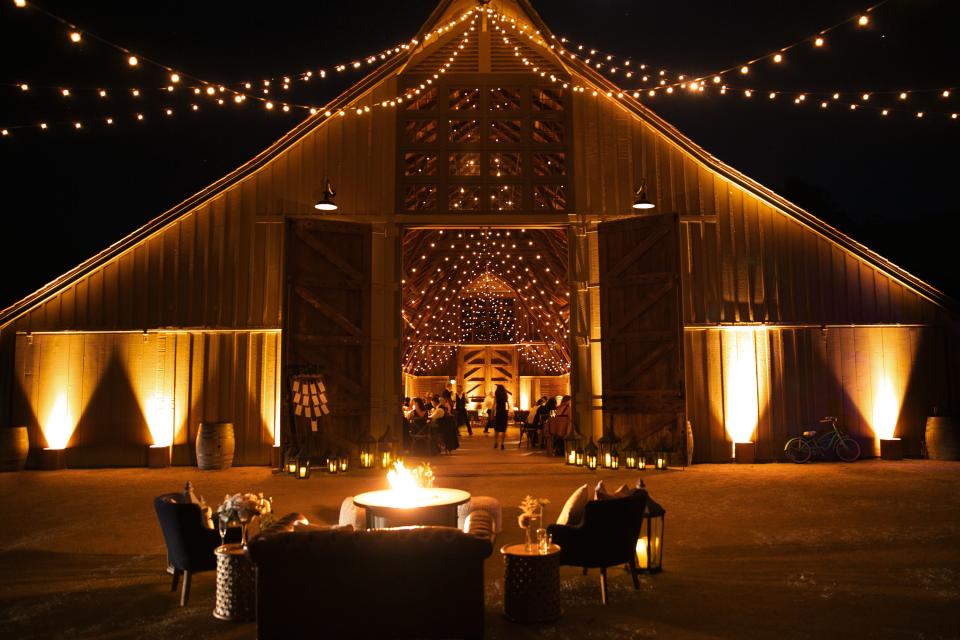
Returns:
(827,419)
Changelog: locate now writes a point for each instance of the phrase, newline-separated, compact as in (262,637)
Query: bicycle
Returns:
(803,447)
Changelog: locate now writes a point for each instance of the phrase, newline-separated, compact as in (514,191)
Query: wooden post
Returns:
(585,383)
(386,378)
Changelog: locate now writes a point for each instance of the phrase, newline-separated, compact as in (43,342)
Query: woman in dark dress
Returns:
(501,415)
(462,417)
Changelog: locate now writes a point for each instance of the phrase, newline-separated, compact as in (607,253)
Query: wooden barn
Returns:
(485,234)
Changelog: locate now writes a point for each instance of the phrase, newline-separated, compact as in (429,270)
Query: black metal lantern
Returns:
(662,461)
(579,457)
(290,463)
(368,451)
(614,459)
(608,443)
(386,450)
(590,456)
(303,467)
(571,444)
(641,460)
(343,462)
(650,543)
(333,463)
(630,457)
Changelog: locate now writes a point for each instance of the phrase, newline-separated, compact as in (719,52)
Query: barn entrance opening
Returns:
(484,307)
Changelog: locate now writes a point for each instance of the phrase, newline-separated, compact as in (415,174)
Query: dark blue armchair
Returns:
(606,537)
(190,544)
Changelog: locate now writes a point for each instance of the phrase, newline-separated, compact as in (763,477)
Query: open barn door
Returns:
(327,334)
(642,330)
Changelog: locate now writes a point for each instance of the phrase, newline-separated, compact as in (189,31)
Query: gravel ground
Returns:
(870,549)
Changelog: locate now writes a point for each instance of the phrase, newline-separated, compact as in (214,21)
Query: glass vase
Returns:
(531,532)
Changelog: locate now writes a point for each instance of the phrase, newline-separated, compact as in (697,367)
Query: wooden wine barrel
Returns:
(14,446)
(215,445)
(943,438)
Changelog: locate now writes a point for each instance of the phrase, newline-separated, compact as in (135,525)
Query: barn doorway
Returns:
(483,307)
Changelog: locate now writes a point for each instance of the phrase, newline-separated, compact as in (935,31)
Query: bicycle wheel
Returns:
(798,450)
(847,449)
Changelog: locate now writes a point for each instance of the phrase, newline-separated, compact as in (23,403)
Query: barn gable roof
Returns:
(447,12)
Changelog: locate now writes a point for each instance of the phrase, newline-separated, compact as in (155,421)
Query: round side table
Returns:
(531,584)
(236,584)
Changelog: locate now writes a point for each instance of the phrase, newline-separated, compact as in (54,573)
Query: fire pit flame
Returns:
(407,485)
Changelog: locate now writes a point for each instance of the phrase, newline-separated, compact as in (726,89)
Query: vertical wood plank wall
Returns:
(743,260)
(109,380)
(857,374)
(218,267)
(746,261)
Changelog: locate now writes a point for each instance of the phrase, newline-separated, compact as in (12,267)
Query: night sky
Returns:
(68,195)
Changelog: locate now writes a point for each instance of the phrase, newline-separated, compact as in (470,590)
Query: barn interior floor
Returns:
(870,549)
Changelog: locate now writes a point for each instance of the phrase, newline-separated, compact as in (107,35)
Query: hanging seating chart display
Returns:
(310,399)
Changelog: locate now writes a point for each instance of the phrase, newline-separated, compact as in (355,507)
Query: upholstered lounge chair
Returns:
(606,537)
(190,543)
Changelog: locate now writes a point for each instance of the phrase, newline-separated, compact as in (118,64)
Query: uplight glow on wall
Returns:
(743,381)
(159,414)
(886,409)
(59,425)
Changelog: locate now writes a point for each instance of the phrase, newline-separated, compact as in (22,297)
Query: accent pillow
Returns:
(572,512)
(622,491)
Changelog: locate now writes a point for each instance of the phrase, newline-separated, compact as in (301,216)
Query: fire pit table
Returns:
(392,508)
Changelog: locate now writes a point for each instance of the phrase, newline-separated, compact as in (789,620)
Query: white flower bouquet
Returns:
(241,507)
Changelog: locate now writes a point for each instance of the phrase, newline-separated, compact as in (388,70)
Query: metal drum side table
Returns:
(236,584)
(531,584)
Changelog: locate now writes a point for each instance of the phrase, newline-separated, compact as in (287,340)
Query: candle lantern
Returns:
(571,443)
(344,462)
(590,456)
(368,451)
(290,462)
(303,467)
(608,443)
(578,456)
(387,450)
(641,460)
(333,463)
(661,460)
(614,459)
(630,458)
(650,543)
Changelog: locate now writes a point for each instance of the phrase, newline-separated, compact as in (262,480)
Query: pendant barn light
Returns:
(640,202)
(327,203)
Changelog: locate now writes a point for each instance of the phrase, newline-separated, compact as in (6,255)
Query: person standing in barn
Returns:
(462,417)
(500,415)
(488,404)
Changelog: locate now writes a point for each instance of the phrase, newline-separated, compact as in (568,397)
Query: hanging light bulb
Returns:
(132,61)
(641,202)
(75,37)
(327,203)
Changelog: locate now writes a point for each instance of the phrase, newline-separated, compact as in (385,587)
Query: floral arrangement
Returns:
(530,509)
(243,506)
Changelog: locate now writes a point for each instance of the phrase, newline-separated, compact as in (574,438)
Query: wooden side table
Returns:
(236,584)
(531,584)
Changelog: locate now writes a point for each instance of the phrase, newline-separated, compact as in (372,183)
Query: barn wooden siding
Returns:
(110,380)
(745,261)
(220,266)
(854,373)
(742,259)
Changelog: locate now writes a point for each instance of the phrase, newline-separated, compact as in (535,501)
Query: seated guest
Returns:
(549,405)
(417,410)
